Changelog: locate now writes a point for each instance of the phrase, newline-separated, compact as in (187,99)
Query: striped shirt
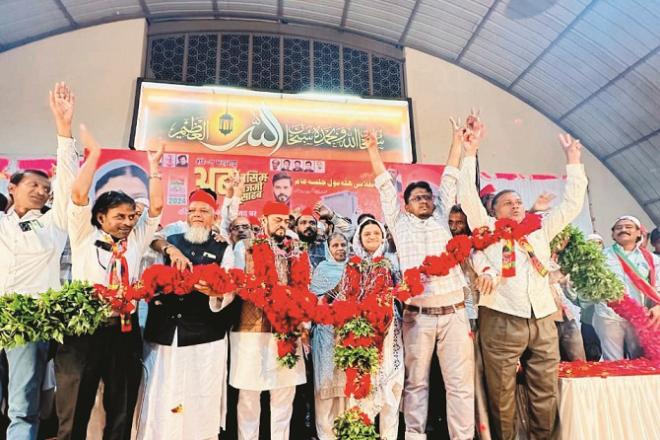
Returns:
(418,238)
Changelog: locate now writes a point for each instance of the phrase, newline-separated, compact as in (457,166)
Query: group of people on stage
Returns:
(170,380)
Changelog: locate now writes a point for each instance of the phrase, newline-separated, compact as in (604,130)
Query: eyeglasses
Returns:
(239,227)
(422,197)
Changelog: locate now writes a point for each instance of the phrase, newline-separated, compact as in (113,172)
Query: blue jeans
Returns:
(27,365)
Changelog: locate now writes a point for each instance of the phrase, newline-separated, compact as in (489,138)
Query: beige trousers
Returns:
(618,339)
(504,339)
(326,411)
(249,411)
(450,336)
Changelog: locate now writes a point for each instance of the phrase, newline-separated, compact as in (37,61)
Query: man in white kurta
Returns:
(107,243)
(254,366)
(516,317)
(186,344)
(617,336)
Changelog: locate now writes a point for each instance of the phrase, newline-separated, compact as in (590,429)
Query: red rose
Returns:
(287,346)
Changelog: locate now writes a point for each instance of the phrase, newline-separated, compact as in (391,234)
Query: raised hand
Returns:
(474,131)
(62,103)
(83,181)
(543,201)
(155,157)
(323,211)
(92,147)
(236,185)
(370,141)
(458,130)
(572,148)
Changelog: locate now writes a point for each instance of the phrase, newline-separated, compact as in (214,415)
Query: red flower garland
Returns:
(637,315)
(625,367)
(287,307)
(358,383)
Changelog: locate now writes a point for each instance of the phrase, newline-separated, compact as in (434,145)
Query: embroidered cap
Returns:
(635,220)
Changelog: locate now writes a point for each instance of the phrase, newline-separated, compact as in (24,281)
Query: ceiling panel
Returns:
(328,12)
(167,7)
(265,7)
(512,38)
(20,19)
(385,19)
(447,24)
(85,11)
(639,166)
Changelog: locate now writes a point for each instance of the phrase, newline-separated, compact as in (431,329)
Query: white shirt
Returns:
(91,263)
(527,292)
(30,260)
(416,238)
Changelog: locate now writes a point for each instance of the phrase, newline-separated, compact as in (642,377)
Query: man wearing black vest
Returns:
(186,350)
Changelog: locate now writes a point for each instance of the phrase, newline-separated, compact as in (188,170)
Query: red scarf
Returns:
(517,232)
(118,277)
(647,287)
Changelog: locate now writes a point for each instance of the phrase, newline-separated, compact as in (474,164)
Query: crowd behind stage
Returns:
(197,366)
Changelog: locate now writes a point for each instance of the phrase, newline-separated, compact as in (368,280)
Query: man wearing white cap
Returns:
(639,270)
(596,238)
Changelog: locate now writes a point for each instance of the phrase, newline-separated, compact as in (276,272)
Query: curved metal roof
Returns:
(590,66)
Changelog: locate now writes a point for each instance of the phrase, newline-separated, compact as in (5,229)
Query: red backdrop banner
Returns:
(345,186)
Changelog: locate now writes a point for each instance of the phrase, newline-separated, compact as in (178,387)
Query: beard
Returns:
(281,197)
(278,235)
(197,234)
(308,235)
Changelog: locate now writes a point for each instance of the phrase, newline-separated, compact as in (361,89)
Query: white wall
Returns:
(101,64)
(518,139)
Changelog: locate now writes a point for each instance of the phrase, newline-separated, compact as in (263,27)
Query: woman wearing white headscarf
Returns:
(329,399)
(387,385)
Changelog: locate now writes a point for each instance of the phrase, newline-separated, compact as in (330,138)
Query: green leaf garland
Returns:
(74,310)
(586,264)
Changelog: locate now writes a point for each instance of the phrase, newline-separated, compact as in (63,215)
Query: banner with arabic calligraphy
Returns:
(210,119)
(347,186)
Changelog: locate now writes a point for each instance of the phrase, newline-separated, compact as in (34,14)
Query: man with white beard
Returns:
(186,347)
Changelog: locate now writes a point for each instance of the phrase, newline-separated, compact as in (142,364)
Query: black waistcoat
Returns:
(190,314)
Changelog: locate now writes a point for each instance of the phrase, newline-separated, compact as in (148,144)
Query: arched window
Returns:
(274,62)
